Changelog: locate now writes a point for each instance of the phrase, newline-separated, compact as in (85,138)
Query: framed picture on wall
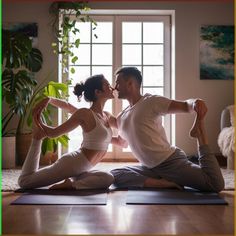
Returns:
(217,52)
(30,29)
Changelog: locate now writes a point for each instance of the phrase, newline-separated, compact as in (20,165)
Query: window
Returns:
(123,40)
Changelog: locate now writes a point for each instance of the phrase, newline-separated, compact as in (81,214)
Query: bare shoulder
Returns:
(83,113)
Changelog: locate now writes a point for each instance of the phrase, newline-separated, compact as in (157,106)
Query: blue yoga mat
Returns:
(173,197)
(62,197)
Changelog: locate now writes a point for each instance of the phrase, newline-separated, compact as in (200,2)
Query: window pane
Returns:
(105,70)
(108,107)
(83,35)
(83,54)
(153,54)
(153,76)
(103,32)
(131,32)
(153,32)
(153,91)
(125,104)
(102,54)
(76,139)
(131,55)
(81,74)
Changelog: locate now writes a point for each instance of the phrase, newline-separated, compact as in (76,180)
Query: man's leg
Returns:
(140,176)
(206,176)
(177,169)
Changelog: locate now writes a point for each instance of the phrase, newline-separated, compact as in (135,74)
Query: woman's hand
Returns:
(119,142)
(37,110)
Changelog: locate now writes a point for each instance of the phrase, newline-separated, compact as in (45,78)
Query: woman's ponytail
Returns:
(79,89)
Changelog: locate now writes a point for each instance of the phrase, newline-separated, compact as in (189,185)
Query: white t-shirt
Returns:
(141,126)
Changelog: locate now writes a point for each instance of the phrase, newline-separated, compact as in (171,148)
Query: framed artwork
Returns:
(30,29)
(217,52)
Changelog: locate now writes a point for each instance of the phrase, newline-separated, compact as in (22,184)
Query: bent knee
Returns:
(23,182)
(107,178)
(218,187)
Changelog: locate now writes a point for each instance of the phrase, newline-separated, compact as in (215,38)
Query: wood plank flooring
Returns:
(117,218)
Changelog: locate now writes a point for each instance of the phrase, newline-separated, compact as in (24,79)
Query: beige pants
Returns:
(73,164)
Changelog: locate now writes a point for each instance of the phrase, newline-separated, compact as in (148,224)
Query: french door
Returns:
(142,41)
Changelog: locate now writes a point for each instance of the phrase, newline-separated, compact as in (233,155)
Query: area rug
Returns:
(10,176)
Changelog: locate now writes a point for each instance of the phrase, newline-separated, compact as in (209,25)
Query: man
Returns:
(140,124)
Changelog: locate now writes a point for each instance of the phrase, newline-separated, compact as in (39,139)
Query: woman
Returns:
(75,167)
(97,135)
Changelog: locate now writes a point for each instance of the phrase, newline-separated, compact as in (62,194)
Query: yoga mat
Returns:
(173,197)
(62,197)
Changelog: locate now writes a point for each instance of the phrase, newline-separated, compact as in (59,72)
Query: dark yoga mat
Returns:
(173,197)
(62,197)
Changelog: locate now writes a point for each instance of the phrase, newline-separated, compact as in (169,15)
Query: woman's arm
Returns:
(62,104)
(75,120)
(118,141)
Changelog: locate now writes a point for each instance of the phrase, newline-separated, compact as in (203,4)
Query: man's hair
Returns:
(130,71)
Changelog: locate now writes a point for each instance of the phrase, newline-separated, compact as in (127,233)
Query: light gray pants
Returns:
(177,168)
(74,164)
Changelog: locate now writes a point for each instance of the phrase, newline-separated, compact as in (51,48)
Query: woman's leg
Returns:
(70,164)
(89,180)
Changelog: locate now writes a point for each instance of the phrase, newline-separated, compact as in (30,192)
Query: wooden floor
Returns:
(118,218)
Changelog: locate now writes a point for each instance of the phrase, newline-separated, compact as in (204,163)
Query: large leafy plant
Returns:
(20,61)
(21,90)
(51,89)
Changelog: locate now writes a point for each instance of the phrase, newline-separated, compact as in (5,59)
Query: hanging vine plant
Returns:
(63,25)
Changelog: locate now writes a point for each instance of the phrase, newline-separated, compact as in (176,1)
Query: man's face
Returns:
(121,86)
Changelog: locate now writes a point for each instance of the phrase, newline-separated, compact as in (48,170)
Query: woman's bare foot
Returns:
(67,184)
(198,131)
(161,183)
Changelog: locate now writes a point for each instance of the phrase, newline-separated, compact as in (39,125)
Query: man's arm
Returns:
(189,105)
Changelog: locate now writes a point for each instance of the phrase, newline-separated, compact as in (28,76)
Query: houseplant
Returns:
(21,91)
(19,86)
(19,63)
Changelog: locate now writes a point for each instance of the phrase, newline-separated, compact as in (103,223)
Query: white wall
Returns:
(189,18)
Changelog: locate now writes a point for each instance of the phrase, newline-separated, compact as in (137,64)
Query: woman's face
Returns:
(107,89)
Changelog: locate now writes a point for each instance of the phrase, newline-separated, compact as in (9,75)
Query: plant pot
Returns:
(23,142)
(8,152)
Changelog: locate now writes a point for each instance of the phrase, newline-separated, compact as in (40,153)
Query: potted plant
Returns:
(21,91)
(19,62)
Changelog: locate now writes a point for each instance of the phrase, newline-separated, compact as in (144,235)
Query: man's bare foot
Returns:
(38,132)
(161,183)
(198,131)
(67,184)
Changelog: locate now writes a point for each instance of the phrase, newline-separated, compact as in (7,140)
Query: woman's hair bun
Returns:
(79,89)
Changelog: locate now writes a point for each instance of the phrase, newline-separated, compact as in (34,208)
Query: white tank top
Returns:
(98,138)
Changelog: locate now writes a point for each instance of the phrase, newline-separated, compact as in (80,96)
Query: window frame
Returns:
(117,16)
